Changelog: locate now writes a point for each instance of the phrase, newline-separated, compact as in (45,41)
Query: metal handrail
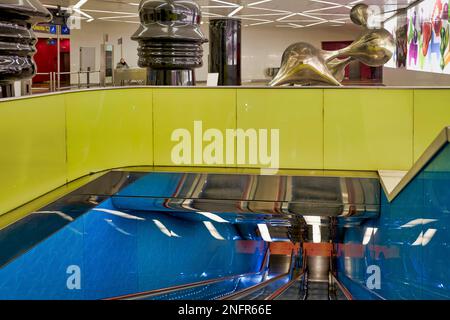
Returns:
(254,287)
(344,290)
(281,290)
(159,292)
(190,285)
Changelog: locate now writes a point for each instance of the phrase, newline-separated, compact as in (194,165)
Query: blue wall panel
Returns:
(409,243)
(121,253)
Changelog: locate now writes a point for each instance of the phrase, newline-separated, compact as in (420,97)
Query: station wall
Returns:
(65,136)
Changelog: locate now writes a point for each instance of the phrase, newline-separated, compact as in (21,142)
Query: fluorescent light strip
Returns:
(213,217)
(119,214)
(262,15)
(429,234)
(368,235)
(295,25)
(254,19)
(317,235)
(107,11)
(258,2)
(299,21)
(83,13)
(119,17)
(259,23)
(264,231)
(314,24)
(212,230)
(328,2)
(79,4)
(226,3)
(236,11)
(310,16)
(124,21)
(273,10)
(322,9)
(164,229)
(216,7)
(288,16)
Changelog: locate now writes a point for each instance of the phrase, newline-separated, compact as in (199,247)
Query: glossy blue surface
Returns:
(121,253)
(409,242)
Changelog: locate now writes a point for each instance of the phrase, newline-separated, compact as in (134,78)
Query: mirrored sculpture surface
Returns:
(170,41)
(17,40)
(304,64)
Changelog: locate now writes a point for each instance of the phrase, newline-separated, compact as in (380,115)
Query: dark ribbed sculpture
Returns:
(225,50)
(17,41)
(170,41)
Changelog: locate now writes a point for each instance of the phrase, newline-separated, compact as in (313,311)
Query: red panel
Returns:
(318,249)
(284,248)
(46,57)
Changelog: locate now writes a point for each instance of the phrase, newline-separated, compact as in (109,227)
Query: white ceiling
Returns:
(271,13)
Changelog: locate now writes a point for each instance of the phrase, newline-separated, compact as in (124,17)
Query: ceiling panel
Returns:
(270,13)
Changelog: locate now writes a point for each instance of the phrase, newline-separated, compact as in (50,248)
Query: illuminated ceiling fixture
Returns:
(212,230)
(213,217)
(230,4)
(119,214)
(164,229)
(368,235)
(322,9)
(120,17)
(288,16)
(264,231)
(59,213)
(316,233)
(424,238)
(417,222)
(258,2)
(259,23)
(79,4)
(429,234)
(236,11)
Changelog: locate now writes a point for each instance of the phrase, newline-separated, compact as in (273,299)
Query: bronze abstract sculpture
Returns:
(304,64)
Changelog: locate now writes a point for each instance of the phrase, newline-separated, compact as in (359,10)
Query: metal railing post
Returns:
(50,86)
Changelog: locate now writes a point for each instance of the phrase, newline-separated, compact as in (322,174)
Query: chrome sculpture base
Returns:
(6,90)
(159,77)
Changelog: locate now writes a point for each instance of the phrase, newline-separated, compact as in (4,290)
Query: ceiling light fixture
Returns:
(264,231)
(236,11)
(258,2)
(230,4)
(79,4)
(285,17)
(213,231)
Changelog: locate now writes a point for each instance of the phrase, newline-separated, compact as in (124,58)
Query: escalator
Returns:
(122,218)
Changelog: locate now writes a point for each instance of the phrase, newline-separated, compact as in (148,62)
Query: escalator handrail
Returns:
(344,290)
(157,292)
(281,290)
(260,285)
(254,288)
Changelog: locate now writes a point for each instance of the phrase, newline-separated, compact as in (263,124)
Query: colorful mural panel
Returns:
(428,37)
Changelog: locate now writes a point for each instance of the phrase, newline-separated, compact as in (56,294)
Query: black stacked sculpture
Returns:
(17,41)
(170,41)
